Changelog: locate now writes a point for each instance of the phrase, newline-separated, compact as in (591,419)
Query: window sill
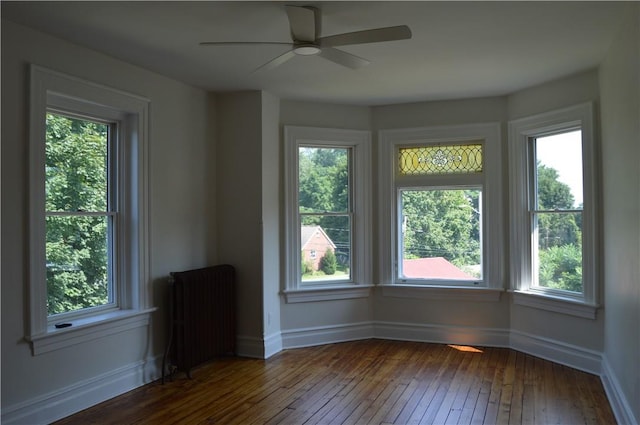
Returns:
(89,328)
(327,293)
(441,292)
(555,304)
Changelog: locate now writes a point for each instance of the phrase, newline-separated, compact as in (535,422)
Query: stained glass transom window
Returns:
(441,159)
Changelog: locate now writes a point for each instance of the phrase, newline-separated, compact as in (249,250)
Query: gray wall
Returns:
(620,120)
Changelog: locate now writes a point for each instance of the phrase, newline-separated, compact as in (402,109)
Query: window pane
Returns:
(441,234)
(447,159)
(558,259)
(77,262)
(323,180)
(559,171)
(325,243)
(76,164)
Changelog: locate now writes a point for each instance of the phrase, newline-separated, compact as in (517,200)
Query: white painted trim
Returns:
(272,344)
(619,403)
(250,346)
(82,395)
(458,293)
(327,293)
(442,334)
(92,328)
(557,305)
(320,335)
(557,351)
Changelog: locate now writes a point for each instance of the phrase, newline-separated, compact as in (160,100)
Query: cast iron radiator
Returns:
(202,317)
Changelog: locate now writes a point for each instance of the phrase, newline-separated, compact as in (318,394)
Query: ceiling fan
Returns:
(305,24)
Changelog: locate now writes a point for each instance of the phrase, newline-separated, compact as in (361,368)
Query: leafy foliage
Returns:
(561,267)
(76,183)
(559,234)
(324,188)
(329,263)
(441,223)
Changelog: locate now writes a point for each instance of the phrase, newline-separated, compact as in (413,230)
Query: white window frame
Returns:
(51,90)
(360,283)
(490,182)
(521,131)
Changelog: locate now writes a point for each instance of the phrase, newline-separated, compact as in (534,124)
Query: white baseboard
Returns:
(307,337)
(461,335)
(272,344)
(259,348)
(250,346)
(557,351)
(82,395)
(619,403)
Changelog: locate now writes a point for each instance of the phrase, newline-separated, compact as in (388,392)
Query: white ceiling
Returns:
(458,49)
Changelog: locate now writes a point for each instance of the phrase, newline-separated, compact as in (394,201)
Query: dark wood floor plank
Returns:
(366,382)
(473,393)
(429,380)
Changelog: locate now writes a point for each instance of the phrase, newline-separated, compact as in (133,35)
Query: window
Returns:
(440,235)
(553,175)
(327,213)
(81,212)
(89,263)
(440,207)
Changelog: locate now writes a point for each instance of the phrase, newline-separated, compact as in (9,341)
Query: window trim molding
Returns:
(359,141)
(432,292)
(51,88)
(327,293)
(520,131)
(490,180)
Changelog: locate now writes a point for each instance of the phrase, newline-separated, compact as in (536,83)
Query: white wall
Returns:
(182,214)
(271,222)
(239,191)
(620,93)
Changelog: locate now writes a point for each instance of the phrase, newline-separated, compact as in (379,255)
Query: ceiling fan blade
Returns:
(277,61)
(401,32)
(246,43)
(343,58)
(302,21)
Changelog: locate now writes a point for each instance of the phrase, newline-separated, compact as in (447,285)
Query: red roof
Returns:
(432,268)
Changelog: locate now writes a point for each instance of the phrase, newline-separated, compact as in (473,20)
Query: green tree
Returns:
(441,223)
(561,268)
(559,234)
(555,229)
(329,263)
(76,244)
(324,188)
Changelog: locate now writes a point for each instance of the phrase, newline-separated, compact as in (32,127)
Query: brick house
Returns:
(314,243)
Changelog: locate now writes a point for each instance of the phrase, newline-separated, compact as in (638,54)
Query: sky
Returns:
(563,152)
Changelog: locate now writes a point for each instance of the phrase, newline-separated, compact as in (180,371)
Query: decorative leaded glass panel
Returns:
(441,159)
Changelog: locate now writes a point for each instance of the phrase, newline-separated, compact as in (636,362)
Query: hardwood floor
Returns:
(367,382)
